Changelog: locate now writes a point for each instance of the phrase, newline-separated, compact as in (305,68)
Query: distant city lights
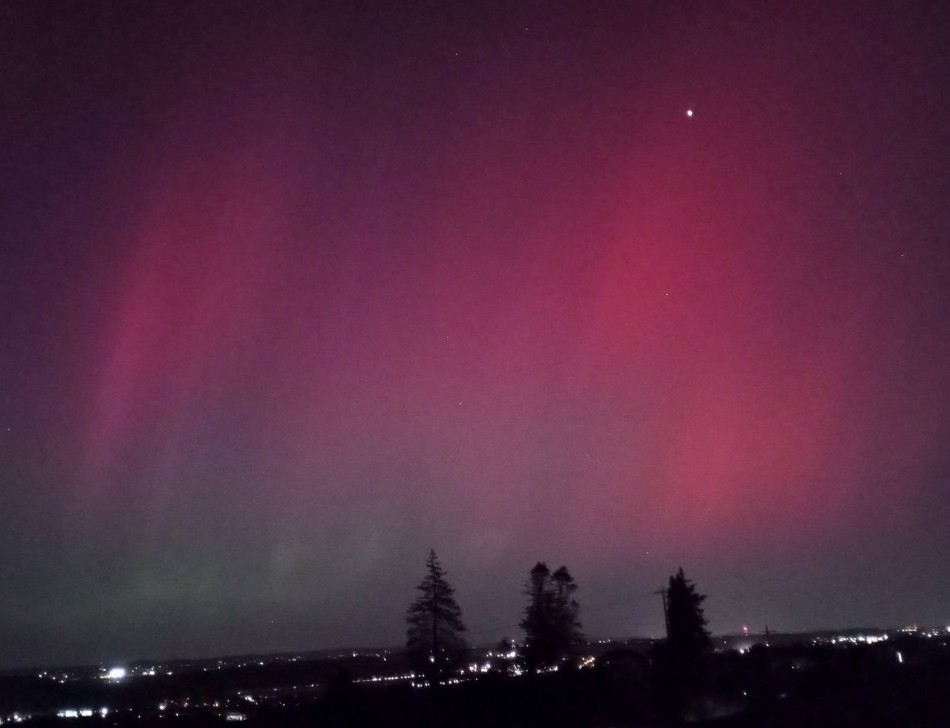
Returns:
(232,707)
(78,713)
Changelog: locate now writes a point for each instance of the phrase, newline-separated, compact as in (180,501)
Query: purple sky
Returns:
(293,292)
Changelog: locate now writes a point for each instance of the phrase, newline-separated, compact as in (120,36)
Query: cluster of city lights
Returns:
(504,661)
(388,678)
(449,681)
(856,639)
(81,712)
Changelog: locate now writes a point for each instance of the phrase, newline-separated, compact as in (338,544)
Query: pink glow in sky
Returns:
(325,290)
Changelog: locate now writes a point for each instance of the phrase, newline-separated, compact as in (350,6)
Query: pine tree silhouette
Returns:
(550,623)
(435,642)
(565,613)
(681,660)
(688,635)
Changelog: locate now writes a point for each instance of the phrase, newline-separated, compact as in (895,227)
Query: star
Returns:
(689,113)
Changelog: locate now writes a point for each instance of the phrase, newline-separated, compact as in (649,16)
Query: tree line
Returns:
(437,647)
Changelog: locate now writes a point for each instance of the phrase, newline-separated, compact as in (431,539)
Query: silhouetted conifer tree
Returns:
(550,623)
(536,624)
(681,661)
(688,636)
(565,613)
(435,642)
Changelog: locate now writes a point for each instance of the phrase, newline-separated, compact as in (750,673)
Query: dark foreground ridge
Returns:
(858,678)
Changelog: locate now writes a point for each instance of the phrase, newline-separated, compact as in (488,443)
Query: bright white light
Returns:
(116,673)
(85,712)
(68,713)
(103,712)
(689,112)
(900,658)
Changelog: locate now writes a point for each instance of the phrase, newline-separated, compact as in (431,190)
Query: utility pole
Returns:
(666,610)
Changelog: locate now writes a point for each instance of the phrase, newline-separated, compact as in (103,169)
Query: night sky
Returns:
(292,292)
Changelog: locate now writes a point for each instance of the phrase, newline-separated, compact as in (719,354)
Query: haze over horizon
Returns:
(293,292)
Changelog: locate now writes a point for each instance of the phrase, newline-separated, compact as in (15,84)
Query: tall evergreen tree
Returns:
(539,648)
(565,612)
(435,642)
(681,660)
(550,623)
(687,633)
